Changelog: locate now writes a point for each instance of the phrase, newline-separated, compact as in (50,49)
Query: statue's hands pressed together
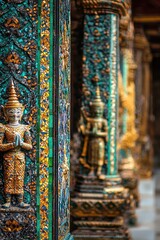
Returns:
(18,141)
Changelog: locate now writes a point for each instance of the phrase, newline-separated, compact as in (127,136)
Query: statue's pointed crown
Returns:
(12,98)
(97,102)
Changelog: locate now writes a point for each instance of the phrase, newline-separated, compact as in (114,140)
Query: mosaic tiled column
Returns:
(99,202)
(35,55)
(143,80)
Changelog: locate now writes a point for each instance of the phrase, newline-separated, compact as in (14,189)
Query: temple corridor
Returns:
(148,213)
(79,119)
(138,109)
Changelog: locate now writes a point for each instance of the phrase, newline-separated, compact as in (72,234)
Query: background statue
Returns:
(14,139)
(95,136)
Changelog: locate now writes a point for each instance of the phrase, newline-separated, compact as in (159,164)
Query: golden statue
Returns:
(127,100)
(14,139)
(95,136)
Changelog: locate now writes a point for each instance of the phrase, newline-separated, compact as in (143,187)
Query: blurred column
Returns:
(143,103)
(99,200)
(128,134)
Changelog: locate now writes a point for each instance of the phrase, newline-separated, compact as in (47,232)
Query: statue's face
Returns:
(98,112)
(13,114)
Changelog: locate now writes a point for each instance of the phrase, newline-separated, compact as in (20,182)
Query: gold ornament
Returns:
(14,138)
(95,136)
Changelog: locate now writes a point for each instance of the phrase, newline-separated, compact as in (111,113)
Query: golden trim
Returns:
(155,45)
(153,32)
(146,19)
(44,119)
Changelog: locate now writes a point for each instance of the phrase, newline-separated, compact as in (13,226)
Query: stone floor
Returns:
(157,222)
(148,226)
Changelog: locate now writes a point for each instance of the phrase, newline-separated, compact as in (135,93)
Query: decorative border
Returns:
(124,77)
(113,98)
(64,120)
(44,214)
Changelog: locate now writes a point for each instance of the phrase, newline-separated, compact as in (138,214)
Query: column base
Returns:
(105,234)
(129,177)
(17,223)
(97,209)
(131,218)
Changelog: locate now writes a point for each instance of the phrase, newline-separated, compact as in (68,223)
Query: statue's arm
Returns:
(88,130)
(5,146)
(81,124)
(27,143)
(103,133)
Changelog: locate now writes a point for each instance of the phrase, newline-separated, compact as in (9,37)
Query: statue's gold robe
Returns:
(14,157)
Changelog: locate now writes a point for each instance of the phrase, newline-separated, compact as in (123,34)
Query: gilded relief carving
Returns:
(95,136)
(128,140)
(14,139)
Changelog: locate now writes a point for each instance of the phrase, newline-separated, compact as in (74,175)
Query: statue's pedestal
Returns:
(97,209)
(105,234)
(17,223)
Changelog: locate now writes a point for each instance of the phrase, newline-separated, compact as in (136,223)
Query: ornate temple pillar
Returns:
(35,150)
(128,134)
(143,80)
(99,199)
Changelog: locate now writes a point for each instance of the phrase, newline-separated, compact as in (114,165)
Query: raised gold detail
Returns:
(12,23)
(146,19)
(128,140)
(95,136)
(44,118)
(100,6)
(12,226)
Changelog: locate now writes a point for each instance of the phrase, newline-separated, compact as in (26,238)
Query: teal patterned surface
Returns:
(19,23)
(18,43)
(64,119)
(18,46)
(123,128)
(124,72)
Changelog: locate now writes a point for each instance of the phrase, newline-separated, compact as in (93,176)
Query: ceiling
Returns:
(146,14)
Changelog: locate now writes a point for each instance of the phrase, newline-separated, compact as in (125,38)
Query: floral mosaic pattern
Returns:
(18,45)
